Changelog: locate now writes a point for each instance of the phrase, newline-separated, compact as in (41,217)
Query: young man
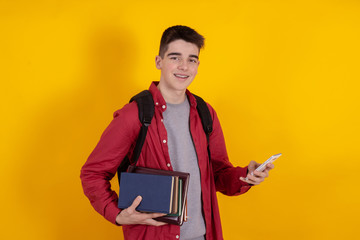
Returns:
(175,141)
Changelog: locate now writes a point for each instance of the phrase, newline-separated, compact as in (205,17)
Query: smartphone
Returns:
(263,166)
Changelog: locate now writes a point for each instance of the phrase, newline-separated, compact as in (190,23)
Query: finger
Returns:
(153,222)
(155,215)
(134,205)
(143,217)
(255,180)
(248,181)
(270,166)
(263,174)
(252,166)
(243,179)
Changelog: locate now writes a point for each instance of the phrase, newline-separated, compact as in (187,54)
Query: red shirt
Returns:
(119,139)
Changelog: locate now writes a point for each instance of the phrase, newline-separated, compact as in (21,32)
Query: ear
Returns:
(158,61)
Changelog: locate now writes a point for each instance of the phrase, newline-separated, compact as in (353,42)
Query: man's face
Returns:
(178,66)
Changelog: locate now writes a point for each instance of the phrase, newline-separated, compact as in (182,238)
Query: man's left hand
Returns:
(258,177)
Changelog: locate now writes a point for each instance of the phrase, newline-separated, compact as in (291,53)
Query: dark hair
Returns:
(180,32)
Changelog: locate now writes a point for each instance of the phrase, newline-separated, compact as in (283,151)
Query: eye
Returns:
(193,60)
(174,58)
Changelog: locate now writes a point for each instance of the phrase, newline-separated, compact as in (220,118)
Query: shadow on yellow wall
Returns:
(60,136)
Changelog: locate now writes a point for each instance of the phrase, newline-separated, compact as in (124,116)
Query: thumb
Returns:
(252,166)
(135,204)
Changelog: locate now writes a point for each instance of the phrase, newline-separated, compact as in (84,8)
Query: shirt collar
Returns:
(159,101)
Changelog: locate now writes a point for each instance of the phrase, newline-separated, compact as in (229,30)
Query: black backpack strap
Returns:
(145,104)
(206,119)
(205,116)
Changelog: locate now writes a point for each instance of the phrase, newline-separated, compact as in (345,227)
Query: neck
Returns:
(172,97)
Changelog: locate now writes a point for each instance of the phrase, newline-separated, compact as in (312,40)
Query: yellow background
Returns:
(282,75)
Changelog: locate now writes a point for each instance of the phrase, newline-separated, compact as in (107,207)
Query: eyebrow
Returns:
(179,54)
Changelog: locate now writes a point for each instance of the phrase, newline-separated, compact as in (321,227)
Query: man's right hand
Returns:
(131,216)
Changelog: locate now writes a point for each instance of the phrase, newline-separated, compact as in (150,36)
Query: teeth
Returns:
(181,76)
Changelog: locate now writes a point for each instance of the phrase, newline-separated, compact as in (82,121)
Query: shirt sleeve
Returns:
(102,164)
(227,177)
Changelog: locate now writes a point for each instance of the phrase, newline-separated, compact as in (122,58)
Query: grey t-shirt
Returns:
(183,158)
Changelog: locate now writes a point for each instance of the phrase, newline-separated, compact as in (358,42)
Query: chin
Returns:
(182,85)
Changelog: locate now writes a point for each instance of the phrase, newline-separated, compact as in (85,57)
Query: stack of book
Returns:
(161,191)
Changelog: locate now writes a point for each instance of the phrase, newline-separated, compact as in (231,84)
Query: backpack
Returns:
(146,108)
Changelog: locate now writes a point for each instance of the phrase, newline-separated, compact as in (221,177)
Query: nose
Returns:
(183,65)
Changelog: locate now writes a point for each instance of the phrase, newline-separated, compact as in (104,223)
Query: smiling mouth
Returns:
(181,76)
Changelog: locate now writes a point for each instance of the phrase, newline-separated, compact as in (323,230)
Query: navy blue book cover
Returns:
(156,191)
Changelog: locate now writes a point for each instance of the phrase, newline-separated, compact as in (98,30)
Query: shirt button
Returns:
(168,164)
(156,103)
(177,236)
(163,106)
(164,141)
(162,120)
